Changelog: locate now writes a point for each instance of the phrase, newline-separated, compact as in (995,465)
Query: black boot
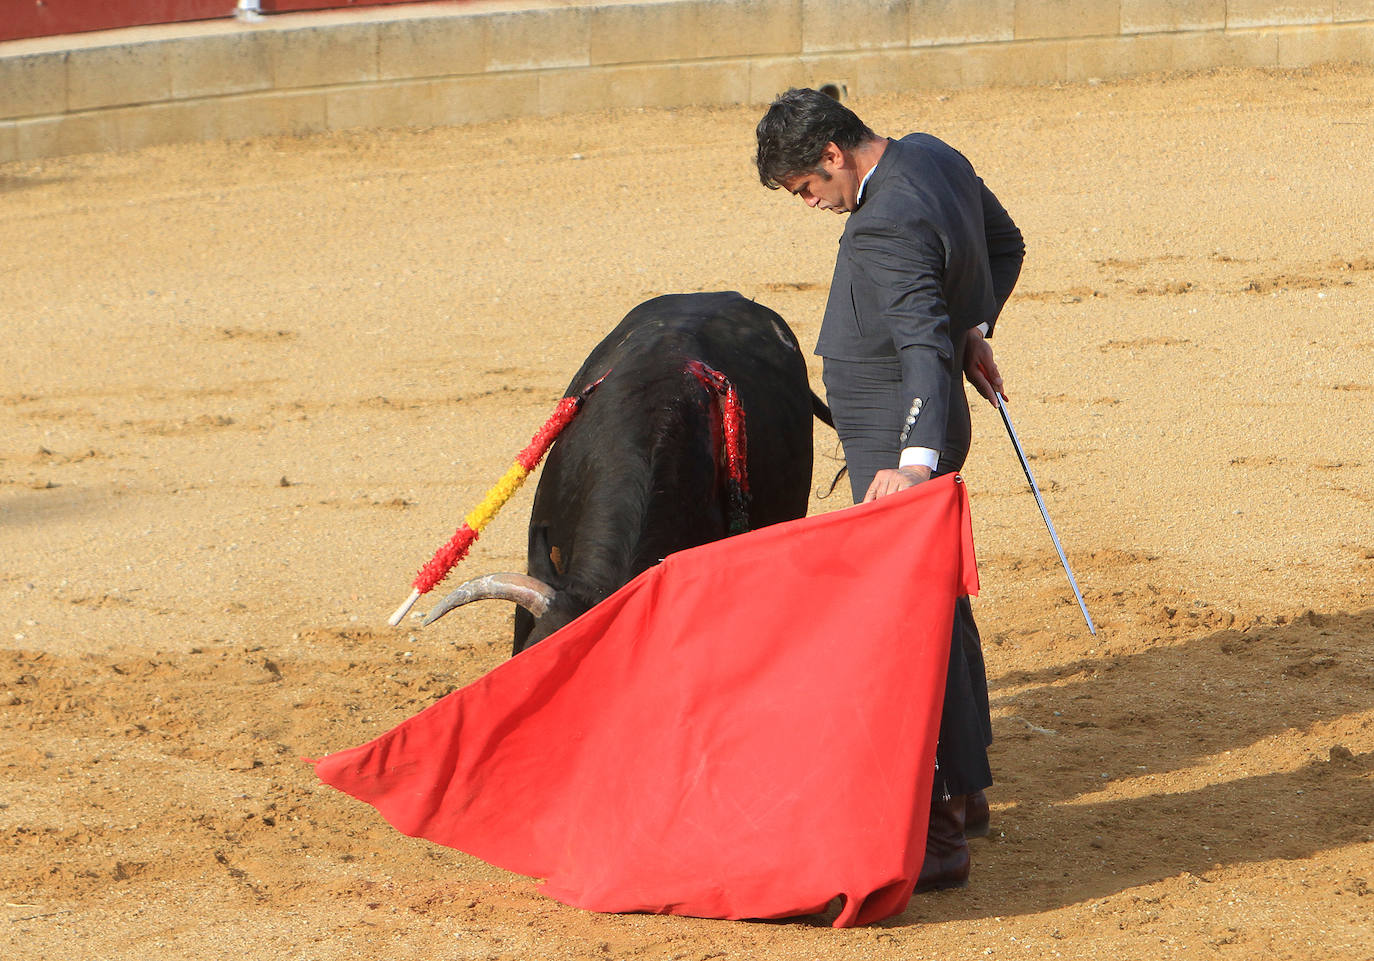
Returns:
(947,861)
(977,816)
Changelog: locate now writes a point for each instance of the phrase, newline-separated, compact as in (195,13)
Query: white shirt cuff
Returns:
(919,457)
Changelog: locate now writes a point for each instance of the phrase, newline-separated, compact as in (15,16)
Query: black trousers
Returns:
(869,409)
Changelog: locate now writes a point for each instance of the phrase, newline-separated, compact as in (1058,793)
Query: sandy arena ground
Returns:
(249,387)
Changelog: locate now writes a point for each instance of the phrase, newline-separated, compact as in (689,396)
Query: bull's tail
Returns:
(822,411)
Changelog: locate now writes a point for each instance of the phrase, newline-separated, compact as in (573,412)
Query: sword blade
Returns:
(1025,466)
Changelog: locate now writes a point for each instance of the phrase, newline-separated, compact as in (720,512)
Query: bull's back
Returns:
(637,473)
(648,352)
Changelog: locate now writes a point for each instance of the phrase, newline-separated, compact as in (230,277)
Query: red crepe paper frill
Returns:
(530,457)
(444,559)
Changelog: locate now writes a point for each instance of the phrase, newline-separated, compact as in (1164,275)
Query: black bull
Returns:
(641,472)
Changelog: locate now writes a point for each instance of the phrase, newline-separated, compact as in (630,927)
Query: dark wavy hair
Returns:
(793,134)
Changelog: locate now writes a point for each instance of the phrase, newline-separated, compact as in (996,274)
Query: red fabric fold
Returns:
(746,730)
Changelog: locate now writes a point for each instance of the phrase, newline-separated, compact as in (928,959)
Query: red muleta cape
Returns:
(746,730)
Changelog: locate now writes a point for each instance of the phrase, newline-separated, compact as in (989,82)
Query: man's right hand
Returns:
(979,367)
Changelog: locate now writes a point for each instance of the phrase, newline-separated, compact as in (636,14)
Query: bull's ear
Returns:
(540,547)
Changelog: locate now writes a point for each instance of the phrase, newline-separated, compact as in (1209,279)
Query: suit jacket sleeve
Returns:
(1006,249)
(904,267)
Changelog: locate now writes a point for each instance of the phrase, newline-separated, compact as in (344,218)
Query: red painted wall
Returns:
(282,6)
(45,18)
(42,18)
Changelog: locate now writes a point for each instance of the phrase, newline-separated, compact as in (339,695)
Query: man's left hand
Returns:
(891,481)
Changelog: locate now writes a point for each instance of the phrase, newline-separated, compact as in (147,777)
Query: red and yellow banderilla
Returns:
(526,461)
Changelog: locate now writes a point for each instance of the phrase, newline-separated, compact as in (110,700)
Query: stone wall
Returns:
(454,63)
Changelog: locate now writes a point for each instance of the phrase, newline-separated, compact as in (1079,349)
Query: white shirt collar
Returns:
(863,184)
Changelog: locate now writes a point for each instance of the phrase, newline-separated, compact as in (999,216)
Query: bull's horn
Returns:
(529,592)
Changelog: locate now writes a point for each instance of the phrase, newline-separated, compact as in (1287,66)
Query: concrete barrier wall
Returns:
(442,63)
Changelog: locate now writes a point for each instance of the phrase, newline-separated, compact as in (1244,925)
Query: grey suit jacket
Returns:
(928,254)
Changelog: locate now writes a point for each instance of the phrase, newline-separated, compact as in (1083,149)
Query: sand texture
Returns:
(247,388)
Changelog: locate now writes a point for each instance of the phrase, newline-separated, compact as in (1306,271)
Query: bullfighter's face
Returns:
(833,185)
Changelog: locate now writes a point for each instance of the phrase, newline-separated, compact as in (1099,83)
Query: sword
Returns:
(1025,466)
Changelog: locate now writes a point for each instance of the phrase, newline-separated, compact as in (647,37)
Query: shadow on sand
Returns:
(1257,712)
